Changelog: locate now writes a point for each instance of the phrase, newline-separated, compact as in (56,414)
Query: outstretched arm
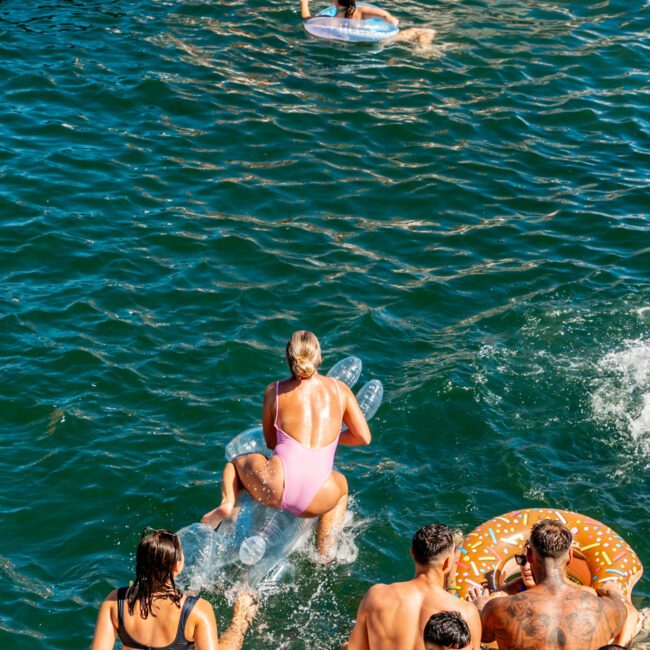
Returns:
(357,432)
(268,417)
(304,9)
(375,12)
(243,613)
(105,632)
(359,637)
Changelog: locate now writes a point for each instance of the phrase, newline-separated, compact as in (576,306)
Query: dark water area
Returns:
(183,184)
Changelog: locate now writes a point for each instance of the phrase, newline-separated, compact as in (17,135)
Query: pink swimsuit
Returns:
(305,469)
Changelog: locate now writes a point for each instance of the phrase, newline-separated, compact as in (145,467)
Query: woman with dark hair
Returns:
(154,614)
(423,36)
(349,9)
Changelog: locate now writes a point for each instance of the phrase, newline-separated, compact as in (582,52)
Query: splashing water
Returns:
(621,394)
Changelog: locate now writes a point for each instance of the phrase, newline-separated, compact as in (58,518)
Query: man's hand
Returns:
(479,596)
(611,588)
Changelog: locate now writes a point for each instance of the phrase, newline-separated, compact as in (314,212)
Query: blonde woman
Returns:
(301,419)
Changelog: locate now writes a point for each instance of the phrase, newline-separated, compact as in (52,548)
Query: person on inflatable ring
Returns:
(423,36)
(527,581)
(581,620)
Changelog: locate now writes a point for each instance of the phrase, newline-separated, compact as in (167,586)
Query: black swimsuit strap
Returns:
(188,606)
(179,643)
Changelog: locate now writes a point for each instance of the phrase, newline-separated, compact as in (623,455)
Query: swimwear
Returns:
(305,469)
(179,643)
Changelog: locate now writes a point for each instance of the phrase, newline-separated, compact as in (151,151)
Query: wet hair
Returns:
(430,542)
(350,7)
(612,646)
(303,354)
(447,629)
(551,538)
(155,558)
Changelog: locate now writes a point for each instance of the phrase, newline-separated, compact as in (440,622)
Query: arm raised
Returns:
(356,432)
(376,12)
(268,417)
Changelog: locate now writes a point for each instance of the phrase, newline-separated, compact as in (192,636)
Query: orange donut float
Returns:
(600,554)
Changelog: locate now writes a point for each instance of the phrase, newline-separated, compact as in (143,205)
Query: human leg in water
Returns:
(422,36)
(263,478)
(330,505)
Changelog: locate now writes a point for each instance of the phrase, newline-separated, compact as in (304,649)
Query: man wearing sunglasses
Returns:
(554,614)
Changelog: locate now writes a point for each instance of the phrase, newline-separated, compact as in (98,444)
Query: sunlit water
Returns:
(185,183)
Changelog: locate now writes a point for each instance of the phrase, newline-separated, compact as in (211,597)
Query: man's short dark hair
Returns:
(430,541)
(447,629)
(551,538)
(612,647)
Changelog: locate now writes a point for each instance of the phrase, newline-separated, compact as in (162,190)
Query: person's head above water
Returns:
(549,547)
(446,630)
(303,354)
(433,545)
(551,539)
(158,559)
(348,5)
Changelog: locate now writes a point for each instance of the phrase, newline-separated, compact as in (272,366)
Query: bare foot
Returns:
(216,516)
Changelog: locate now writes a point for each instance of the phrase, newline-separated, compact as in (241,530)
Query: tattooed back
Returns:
(560,617)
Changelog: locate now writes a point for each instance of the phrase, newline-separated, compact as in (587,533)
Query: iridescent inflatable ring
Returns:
(326,25)
(600,554)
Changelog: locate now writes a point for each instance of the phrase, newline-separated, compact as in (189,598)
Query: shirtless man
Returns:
(554,614)
(394,616)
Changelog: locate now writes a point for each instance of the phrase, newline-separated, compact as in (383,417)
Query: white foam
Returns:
(621,394)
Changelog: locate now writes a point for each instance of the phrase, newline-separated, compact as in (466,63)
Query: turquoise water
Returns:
(183,184)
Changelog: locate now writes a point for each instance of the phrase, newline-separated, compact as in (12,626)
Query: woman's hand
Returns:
(357,432)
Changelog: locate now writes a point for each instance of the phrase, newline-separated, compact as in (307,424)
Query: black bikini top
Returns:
(179,643)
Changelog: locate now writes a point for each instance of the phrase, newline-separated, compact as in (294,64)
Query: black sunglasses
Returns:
(520,559)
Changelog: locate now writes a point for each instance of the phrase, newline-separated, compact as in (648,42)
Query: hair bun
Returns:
(303,354)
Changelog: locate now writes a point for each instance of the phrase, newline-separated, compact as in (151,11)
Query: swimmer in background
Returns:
(349,9)
(155,610)
(301,419)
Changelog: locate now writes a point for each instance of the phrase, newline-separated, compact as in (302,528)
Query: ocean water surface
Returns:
(184,183)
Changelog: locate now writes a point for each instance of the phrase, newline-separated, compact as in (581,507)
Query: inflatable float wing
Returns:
(255,541)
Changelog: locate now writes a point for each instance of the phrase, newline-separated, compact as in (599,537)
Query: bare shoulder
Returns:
(203,607)
(378,593)
(112,597)
(466,608)
(382,596)
(496,606)
(343,387)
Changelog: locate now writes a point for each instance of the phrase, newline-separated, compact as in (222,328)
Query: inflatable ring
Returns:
(326,25)
(600,554)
